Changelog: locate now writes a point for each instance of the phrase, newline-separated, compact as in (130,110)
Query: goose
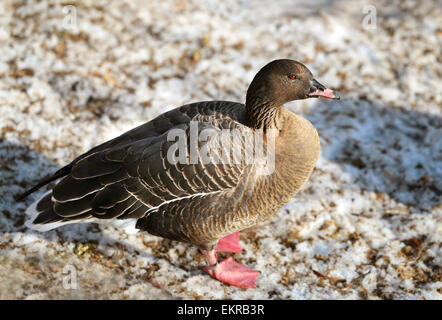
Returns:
(187,175)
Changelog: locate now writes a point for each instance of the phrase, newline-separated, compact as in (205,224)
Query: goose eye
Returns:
(292,76)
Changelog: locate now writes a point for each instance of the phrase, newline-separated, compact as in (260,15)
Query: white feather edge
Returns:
(128,225)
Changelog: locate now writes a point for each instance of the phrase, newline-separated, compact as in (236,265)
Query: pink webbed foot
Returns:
(231,272)
(229,243)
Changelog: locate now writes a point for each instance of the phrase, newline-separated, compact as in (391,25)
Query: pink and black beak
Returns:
(317,90)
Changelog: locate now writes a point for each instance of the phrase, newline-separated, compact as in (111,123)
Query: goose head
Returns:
(284,80)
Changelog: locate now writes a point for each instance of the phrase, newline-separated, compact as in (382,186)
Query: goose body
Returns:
(184,189)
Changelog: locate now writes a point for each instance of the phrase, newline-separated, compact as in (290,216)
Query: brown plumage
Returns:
(200,201)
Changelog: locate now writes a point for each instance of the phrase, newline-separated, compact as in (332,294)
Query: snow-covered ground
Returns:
(367,225)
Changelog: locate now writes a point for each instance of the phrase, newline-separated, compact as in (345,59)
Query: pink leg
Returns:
(229,271)
(210,257)
(229,243)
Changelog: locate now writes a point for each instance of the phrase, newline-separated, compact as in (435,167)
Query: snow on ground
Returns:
(367,225)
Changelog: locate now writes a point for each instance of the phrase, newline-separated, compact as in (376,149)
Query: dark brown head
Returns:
(281,81)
